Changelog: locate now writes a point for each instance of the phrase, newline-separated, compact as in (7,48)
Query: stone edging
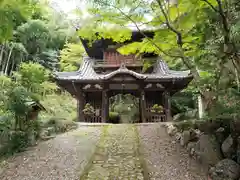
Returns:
(210,148)
(172,131)
(90,161)
(140,154)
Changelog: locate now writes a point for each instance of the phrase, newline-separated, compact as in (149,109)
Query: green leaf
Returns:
(173,13)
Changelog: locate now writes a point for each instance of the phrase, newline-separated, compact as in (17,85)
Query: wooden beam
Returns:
(80,105)
(142,100)
(167,106)
(105,106)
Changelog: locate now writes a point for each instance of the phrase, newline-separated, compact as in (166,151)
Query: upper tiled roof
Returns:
(86,72)
(96,49)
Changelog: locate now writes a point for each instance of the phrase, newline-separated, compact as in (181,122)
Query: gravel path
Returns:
(62,158)
(113,152)
(164,158)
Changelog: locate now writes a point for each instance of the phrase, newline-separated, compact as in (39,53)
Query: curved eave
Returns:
(180,84)
(78,80)
(144,78)
(86,73)
(67,86)
(123,71)
(170,78)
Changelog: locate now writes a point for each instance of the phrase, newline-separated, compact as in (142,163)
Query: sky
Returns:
(68,6)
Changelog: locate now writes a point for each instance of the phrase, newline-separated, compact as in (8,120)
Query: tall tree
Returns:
(181,28)
(12,14)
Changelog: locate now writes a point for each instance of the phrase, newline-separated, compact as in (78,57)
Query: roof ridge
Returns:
(161,67)
(87,67)
(125,70)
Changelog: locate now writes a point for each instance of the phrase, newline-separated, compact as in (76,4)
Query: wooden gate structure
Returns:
(104,72)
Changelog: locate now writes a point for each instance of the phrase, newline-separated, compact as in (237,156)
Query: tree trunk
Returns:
(8,60)
(1,53)
(12,66)
(237,79)
(17,65)
(200,107)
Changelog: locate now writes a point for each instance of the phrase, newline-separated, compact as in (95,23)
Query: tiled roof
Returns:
(86,72)
(161,71)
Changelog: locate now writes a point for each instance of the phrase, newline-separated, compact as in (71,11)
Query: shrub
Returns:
(114,117)
(31,76)
(60,125)
(157,108)
(88,109)
(35,127)
(17,141)
(184,125)
(127,106)
(31,83)
(183,101)
(59,106)
(188,115)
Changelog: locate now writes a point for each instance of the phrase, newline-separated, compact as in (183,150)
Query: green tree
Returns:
(12,54)
(37,33)
(12,14)
(71,57)
(193,34)
(31,76)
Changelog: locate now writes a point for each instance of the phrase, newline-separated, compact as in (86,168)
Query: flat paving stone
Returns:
(61,158)
(116,156)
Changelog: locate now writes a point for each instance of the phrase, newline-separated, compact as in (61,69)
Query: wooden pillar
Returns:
(167,106)
(143,105)
(80,106)
(105,106)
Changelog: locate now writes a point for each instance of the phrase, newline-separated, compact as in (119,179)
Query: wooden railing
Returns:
(149,118)
(93,119)
(156,117)
(127,62)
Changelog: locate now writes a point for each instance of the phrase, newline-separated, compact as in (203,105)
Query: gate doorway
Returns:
(124,108)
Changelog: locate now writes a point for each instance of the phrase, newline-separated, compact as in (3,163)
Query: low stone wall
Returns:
(211,148)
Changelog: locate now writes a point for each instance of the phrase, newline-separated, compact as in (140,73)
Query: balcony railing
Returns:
(127,62)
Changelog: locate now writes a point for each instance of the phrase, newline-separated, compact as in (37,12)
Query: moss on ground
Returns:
(99,145)
(140,154)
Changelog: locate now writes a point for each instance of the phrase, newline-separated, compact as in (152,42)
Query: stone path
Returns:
(117,155)
(105,152)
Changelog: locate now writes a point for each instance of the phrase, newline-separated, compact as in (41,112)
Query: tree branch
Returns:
(220,11)
(179,35)
(140,31)
(224,18)
(179,41)
(206,1)
(132,10)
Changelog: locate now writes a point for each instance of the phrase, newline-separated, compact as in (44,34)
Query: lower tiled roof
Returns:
(87,73)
